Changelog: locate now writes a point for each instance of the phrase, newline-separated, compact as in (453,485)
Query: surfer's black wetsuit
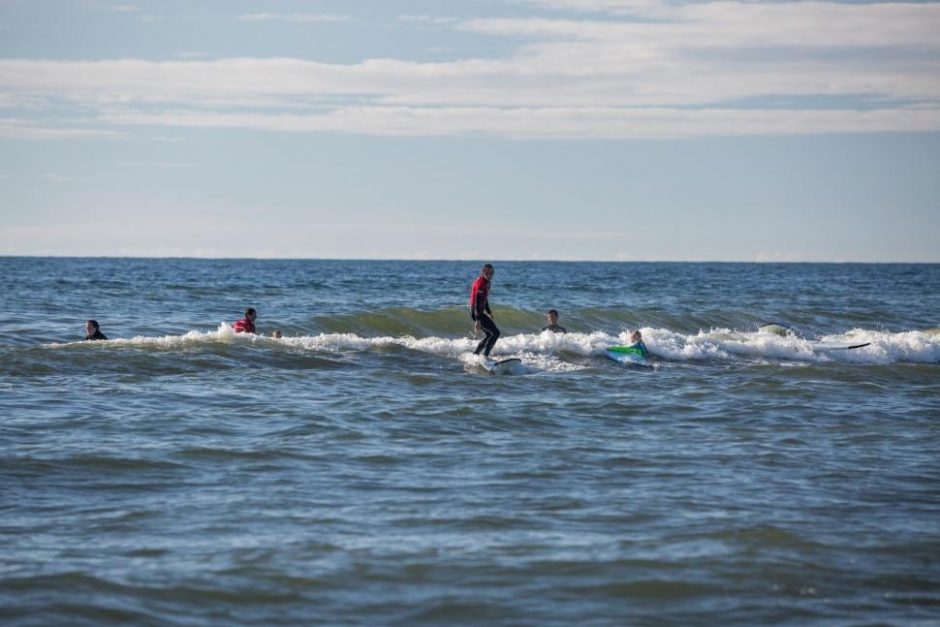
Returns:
(97,335)
(491,334)
(555,328)
(480,312)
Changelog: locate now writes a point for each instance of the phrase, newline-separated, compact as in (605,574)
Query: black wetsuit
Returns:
(555,328)
(97,335)
(490,334)
(480,312)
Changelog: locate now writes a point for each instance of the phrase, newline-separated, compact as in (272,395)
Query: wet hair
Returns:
(552,312)
(93,323)
(486,266)
(250,312)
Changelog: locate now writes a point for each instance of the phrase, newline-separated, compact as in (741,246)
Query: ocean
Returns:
(363,470)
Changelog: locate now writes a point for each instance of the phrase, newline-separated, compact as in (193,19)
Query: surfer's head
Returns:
(636,336)
(552,316)
(487,271)
(251,314)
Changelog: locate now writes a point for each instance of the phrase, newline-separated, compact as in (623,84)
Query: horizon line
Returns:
(490,259)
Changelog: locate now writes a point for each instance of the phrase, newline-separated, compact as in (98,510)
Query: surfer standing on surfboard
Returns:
(480,311)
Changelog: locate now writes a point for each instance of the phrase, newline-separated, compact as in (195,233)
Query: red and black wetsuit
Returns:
(244,326)
(480,312)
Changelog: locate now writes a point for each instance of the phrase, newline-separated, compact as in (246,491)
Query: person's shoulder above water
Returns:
(637,341)
(553,326)
(246,324)
(93,332)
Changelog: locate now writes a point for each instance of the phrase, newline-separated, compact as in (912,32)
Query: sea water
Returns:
(363,470)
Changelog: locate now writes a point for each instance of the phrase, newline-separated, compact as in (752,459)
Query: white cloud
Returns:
(11,128)
(426,19)
(552,123)
(296,18)
(683,74)
(599,6)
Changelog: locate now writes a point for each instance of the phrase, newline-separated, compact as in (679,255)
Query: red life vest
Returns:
(244,326)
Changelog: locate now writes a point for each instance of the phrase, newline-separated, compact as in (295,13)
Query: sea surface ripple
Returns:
(361,471)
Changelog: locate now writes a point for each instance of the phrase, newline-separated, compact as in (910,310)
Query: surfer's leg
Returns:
(492,334)
(486,337)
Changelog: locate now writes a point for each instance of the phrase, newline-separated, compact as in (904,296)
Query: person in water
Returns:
(636,341)
(553,326)
(93,332)
(246,324)
(276,334)
(480,311)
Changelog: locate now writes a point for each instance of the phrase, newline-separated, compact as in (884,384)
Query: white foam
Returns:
(224,333)
(556,352)
(884,348)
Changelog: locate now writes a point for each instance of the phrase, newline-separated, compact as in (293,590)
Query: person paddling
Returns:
(480,311)
(246,324)
(636,340)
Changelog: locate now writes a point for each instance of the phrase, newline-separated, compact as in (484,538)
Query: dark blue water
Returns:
(362,470)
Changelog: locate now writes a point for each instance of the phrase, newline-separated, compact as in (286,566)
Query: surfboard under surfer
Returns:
(480,311)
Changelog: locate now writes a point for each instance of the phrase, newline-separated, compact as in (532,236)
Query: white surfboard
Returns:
(782,330)
(503,366)
(836,346)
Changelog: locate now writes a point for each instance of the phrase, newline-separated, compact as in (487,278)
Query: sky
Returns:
(616,130)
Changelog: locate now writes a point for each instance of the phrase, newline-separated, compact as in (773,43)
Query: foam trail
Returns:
(548,351)
(224,333)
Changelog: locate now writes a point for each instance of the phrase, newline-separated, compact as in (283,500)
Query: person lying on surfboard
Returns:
(553,326)
(636,341)
(480,311)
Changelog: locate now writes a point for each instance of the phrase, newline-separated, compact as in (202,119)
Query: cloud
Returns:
(295,18)
(615,7)
(551,123)
(22,129)
(712,68)
(426,19)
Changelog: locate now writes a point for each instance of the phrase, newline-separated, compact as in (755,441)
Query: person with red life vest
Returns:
(480,311)
(246,324)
